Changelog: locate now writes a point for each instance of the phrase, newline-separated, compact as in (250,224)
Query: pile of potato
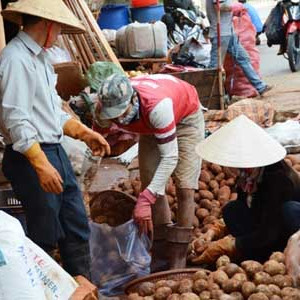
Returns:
(251,280)
(293,161)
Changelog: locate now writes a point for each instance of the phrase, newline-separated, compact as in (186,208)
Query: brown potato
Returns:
(289,291)
(222,261)
(262,278)
(236,296)
(288,162)
(196,222)
(230,182)
(146,289)
(213,286)
(219,277)
(160,283)
(216,294)
(214,184)
(231,269)
(293,159)
(296,167)
(134,296)
(174,297)
(202,185)
(251,267)
(200,285)
(215,191)
(202,213)
(275,297)
(283,281)
(206,195)
(216,169)
(185,286)
(275,290)
(248,288)
(233,196)
(206,203)
(224,193)
(263,288)
(258,296)
(189,296)
(273,267)
(220,176)
(240,277)
(162,293)
(205,295)
(216,212)
(173,284)
(278,256)
(149,298)
(231,285)
(209,220)
(201,274)
(223,182)
(205,176)
(215,203)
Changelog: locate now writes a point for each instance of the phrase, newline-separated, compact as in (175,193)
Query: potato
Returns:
(230,182)
(201,274)
(146,289)
(174,297)
(202,186)
(273,267)
(220,176)
(215,212)
(205,295)
(216,169)
(231,285)
(202,213)
(223,182)
(160,283)
(275,290)
(222,261)
(200,285)
(162,293)
(251,267)
(215,203)
(240,277)
(275,297)
(206,195)
(278,256)
(296,167)
(236,296)
(219,277)
(149,298)
(196,222)
(233,197)
(263,288)
(231,269)
(288,162)
(206,203)
(209,220)
(262,278)
(224,193)
(215,191)
(173,285)
(185,286)
(283,281)
(213,286)
(189,296)
(216,294)
(293,159)
(213,184)
(290,292)
(205,176)
(258,296)
(134,296)
(248,288)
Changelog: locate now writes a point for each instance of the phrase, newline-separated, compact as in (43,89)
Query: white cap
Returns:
(241,144)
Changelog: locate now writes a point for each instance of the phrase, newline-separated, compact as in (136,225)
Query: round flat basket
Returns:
(112,207)
(179,274)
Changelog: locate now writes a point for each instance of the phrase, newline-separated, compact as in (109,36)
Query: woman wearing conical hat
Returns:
(33,126)
(267,211)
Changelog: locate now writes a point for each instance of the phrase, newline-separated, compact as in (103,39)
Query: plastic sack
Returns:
(26,271)
(286,133)
(99,71)
(273,27)
(236,82)
(118,255)
(57,55)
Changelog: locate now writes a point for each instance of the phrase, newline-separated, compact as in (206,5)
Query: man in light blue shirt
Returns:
(230,43)
(33,124)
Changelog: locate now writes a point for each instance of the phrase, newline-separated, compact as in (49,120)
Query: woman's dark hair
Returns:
(30,20)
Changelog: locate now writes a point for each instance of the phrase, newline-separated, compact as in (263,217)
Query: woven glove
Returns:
(94,140)
(225,246)
(142,214)
(49,178)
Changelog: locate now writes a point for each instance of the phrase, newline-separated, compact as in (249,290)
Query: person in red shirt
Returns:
(167,114)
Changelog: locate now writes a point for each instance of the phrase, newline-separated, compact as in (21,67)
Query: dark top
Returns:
(280,183)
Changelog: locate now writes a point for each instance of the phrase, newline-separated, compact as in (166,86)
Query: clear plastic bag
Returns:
(119,255)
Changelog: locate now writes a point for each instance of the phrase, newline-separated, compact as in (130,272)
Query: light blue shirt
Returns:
(255,19)
(30,108)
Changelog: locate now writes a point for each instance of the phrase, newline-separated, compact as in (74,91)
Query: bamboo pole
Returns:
(2,33)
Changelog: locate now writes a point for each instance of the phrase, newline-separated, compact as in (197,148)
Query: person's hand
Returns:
(142,213)
(97,143)
(214,250)
(49,178)
(292,258)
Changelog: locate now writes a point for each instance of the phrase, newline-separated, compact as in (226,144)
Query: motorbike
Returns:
(291,23)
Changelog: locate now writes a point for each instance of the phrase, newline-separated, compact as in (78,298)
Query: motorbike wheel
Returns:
(293,50)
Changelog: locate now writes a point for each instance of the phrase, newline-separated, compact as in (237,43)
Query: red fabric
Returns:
(236,82)
(155,88)
(142,209)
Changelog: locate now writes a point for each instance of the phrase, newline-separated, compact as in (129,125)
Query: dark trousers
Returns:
(51,219)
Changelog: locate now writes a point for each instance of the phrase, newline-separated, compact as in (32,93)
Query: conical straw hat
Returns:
(54,10)
(241,144)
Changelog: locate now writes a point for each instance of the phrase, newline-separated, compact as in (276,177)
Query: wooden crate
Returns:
(206,83)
